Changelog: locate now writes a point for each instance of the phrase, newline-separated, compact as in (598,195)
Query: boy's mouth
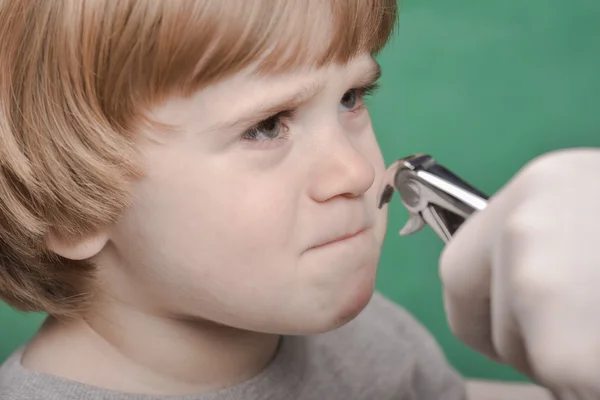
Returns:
(342,238)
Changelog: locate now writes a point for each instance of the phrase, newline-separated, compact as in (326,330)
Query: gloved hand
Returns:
(522,278)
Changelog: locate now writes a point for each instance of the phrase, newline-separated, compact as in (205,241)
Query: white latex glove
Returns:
(522,278)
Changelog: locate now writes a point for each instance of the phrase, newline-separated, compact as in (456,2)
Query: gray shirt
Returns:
(384,354)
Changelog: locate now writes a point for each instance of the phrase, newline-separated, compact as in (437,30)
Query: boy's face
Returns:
(231,223)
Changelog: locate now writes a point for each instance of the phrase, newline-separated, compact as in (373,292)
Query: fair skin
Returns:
(230,235)
(229,241)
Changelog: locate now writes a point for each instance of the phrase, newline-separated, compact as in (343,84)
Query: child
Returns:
(188,189)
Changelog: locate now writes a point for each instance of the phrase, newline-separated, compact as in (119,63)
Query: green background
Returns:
(483,86)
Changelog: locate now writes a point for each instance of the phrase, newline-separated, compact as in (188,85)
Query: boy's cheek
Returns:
(380,228)
(253,289)
(380,215)
(240,264)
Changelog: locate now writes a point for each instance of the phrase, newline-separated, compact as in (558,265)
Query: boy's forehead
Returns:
(300,78)
(246,93)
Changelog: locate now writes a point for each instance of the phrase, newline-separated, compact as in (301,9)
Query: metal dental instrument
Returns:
(432,194)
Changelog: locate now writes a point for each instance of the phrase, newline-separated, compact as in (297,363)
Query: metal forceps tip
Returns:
(432,194)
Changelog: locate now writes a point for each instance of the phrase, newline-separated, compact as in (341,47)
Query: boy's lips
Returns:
(341,238)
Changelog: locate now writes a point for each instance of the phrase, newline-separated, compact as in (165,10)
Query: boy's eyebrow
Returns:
(261,112)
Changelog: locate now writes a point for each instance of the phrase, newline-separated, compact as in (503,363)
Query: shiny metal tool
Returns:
(432,194)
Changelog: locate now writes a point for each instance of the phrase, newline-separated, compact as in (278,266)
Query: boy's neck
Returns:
(128,351)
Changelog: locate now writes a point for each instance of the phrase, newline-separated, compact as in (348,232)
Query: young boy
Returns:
(188,189)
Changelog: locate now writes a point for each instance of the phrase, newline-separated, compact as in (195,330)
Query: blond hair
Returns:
(76,77)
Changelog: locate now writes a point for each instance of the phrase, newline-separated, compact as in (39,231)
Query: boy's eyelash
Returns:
(285,114)
(367,90)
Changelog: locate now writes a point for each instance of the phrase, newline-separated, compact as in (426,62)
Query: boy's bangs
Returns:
(195,44)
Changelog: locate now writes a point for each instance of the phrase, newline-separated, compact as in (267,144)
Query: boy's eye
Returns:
(353,98)
(349,99)
(270,129)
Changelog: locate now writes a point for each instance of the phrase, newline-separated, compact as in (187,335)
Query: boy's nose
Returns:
(341,170)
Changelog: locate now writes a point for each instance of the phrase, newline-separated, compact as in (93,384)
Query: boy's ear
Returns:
(80,249)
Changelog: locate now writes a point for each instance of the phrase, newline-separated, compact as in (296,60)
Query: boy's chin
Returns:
(341,310)
(351,310)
